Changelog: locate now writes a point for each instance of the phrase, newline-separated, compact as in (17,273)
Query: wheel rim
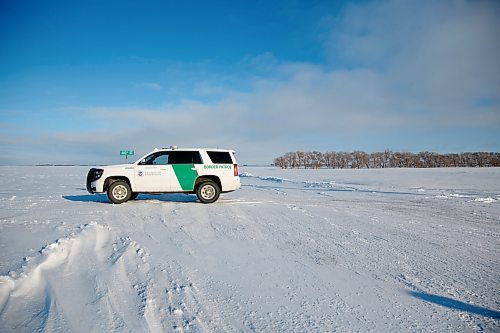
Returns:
(207,192)
(120,192)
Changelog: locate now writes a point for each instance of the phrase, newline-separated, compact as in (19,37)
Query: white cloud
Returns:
(437,56)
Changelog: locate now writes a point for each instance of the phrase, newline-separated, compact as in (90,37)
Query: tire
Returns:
(208,192)
(133,196)
(119,192)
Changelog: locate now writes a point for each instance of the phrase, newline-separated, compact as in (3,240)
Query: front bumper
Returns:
(92,178)
(91,189)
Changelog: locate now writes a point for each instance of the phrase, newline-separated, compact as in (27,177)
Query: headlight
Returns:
(98,173)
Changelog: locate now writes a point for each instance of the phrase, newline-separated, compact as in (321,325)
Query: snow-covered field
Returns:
(292,251)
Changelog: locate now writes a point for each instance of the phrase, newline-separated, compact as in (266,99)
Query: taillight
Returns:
(236,170)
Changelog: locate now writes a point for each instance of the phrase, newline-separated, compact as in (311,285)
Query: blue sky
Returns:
(79,81)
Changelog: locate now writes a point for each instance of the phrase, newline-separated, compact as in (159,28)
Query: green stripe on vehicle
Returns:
(186,175)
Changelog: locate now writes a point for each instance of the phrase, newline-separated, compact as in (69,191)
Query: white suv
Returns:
(206,172)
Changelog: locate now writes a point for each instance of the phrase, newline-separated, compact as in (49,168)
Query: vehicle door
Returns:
(183,164)
(153,173)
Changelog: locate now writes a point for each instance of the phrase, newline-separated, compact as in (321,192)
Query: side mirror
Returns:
(142,162)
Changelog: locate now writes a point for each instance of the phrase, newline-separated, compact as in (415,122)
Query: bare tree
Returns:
(386,159)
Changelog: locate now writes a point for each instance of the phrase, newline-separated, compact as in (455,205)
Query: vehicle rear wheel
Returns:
(119,192)
(208,192)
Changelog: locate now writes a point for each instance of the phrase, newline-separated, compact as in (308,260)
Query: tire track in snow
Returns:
(177,298)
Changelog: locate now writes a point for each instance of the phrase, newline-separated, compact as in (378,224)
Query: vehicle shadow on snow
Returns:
(454,304)
(102,198)
(87,198)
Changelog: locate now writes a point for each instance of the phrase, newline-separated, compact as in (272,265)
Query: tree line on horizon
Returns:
(386,159)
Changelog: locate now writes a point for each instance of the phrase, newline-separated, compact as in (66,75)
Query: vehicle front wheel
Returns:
(119,192)
(208,191)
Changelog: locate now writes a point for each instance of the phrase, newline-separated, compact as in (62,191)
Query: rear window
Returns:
(185,157)
(220,157)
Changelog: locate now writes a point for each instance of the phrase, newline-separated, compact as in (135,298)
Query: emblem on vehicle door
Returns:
(140,173)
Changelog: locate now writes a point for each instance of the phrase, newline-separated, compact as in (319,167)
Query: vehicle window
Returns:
(186,157)
(197,158)
(159,158)
(220,157)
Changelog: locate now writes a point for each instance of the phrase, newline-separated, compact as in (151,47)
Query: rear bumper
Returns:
(232,185)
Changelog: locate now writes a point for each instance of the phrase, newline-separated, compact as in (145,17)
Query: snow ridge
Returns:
(111,274)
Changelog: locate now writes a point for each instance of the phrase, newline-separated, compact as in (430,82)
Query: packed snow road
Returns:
(292,251)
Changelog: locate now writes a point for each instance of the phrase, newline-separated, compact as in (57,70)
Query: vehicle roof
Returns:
(194,149)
